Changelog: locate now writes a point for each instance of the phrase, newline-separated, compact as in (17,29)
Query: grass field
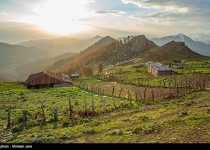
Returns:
(181,119)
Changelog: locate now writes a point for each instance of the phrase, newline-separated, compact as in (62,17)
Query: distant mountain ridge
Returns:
(38,65)
(13,56)
(115,51)
(22,61)
(201,37)
(24,64)
(198,47)
(104,41)
(61,45)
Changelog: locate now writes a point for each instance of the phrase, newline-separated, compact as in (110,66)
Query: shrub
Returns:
(65,124)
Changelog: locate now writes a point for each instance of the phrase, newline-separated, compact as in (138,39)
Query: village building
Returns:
(74,75)
(149,62)
(158,69)
(176,65)
(47,79)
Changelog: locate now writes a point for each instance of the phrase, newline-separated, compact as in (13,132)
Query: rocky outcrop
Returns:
(141,43)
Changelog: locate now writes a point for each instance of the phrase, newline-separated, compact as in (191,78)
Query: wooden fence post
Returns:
(204,84)
(55,113)
(145,90)
(156,92)
(120,92)
(103,104)
(70,109)
(24,112)
(153,97)
(9,117)
(43,114)
(113,97)
(85,106)
(177,90)
(114,102)
(93,105)
(128,94)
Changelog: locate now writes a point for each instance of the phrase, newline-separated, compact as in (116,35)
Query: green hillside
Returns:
(13,56)
(135,107)
(39,65)
(184,119)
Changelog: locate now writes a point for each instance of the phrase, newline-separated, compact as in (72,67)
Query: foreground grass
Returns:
(185,119)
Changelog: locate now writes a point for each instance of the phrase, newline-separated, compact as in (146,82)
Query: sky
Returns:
(23,20)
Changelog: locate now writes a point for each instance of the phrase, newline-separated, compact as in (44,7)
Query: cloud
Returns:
(113,12)
(176,6)
(170,12)
(4,13)
(14,32)
(167,4)
(89,1)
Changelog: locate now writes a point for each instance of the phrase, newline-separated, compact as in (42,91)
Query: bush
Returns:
(65,124)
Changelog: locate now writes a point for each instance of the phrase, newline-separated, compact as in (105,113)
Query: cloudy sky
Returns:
(22,20)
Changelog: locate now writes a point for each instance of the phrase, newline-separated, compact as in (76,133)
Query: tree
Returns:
(120,42)
(100,66)
(87,70)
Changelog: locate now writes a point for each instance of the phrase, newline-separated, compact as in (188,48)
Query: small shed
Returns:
(74,75)
(47,79)
(176,65)
(158,69)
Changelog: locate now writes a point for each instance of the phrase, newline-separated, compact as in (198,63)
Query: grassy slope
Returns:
(39,65)
(154,122)
(184,119)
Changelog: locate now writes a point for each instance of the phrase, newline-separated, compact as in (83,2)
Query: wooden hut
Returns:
(47,79)
(158,69)
(176,65)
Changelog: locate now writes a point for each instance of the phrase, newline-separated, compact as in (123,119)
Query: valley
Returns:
(122,102)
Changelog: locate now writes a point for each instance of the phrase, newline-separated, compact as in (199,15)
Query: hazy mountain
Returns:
(201,37)
(61,45)
(13,56)
(94,39)
(104,41)
(39,65)
(199,47)
(115,51)
(172,51)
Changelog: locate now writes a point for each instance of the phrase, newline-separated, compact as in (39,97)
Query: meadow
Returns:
(83,116)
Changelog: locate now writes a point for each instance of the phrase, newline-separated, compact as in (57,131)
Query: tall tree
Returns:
(100,66)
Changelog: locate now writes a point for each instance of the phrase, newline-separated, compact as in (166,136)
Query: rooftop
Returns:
(158,66)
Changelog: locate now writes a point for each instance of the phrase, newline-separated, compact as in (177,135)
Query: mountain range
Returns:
(199,47)
(201,37)
(13,56)
(65,55)
(172,51)
(137,48)
(61,45)
(53,63)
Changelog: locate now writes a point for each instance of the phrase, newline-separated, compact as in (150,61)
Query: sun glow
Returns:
(60,16)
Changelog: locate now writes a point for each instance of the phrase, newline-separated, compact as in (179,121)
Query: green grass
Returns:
(162,121)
